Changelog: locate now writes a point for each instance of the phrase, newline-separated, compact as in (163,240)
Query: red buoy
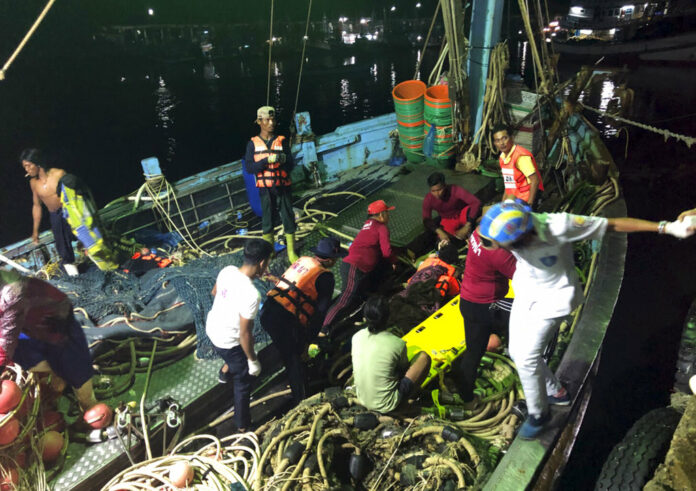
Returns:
(98,416)
(9,478)
(9,430)
(52,420)
(10,395)
(51,444)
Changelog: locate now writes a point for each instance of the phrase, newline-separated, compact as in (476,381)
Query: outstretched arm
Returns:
(36,216)
(677,228)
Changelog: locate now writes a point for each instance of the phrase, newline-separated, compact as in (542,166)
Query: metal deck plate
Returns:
(185,381)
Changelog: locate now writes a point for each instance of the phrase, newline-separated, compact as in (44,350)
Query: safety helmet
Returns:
(506,222)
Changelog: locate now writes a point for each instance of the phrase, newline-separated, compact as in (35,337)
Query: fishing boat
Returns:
(144,331)
(652,32)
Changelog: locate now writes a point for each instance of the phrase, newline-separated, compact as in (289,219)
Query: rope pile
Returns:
(331,440)
(222,464)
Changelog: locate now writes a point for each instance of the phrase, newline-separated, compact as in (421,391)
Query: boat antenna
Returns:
(270,49)
(302,58)
(27,36)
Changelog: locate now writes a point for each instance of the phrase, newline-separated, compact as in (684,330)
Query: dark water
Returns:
(99,115)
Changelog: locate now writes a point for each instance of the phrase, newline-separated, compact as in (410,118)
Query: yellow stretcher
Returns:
(441,336)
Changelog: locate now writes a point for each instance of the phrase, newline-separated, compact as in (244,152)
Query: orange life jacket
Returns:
(514,179)
(447,284)
(296,290)
(273,175)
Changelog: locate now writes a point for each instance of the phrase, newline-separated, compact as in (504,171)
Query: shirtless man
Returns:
(44,183)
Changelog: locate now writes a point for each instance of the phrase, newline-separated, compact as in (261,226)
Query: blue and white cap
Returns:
(506,222)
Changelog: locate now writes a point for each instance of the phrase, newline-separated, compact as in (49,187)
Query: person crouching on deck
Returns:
(39,332)
(230,324)
(269,158)
(370,259)
(384,379)
(296,307)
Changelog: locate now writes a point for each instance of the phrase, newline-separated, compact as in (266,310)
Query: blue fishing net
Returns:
(105,295)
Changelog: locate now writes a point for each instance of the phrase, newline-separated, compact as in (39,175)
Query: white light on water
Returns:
(363,21)
(393,8)
(150,12)
(418,5)
(419,38)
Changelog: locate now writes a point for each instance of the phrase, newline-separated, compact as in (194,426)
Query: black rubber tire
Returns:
(633,461)
(686,361)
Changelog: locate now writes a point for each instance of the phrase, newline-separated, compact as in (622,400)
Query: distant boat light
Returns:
(393,8)
(150,12)
(418,5)
(585,32)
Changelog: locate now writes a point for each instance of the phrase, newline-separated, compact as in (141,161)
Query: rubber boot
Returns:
(290,244)
(269,238)
(85,395)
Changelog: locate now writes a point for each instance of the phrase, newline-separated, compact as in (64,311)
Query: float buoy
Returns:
(98,416)
(10,395)
(181,474)
(9,430)
(50,445)
(9,478)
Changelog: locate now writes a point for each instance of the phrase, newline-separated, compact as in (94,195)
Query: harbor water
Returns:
(98,115)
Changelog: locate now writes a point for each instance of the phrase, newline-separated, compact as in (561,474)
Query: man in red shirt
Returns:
(457,210)
(368,262)
(520,173)
(485,281)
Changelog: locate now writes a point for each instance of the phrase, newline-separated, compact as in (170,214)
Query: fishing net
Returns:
(104,296)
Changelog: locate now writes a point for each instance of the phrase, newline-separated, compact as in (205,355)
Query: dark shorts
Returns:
(71,361)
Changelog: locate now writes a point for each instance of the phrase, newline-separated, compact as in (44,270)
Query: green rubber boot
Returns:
(269,238)
(290,243)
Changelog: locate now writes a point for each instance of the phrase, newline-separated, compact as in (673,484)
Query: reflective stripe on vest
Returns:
(272,175)
(83,224)
(296,290)
(513,177)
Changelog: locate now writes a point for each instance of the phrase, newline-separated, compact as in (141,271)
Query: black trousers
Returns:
(290,338)
(357,285)
(277,203)
(241,384)
(63,236)
(479,322)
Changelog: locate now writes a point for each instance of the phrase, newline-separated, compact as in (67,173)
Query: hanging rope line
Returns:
(427,40)
(689,140)
(27,36)
(270,50)
(302,58)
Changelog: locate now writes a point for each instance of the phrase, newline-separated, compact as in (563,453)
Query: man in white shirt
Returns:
(547,288)
(230,323)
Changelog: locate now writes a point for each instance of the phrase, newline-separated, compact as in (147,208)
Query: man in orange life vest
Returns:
(295,308)
(268,157)
(520,172)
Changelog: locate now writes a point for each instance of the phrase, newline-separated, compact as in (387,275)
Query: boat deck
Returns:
(193,383)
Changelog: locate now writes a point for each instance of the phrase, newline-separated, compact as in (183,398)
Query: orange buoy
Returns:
(51,444)
(98,416)
(10,395)
(494,343)
(181,474)
(9,430)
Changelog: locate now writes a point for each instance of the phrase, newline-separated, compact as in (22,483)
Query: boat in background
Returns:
(650,32)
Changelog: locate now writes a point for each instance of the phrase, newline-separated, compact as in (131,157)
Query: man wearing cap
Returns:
(547,288)
(296,307)
(268,157)
(520,172)
(368,261)
(457,210)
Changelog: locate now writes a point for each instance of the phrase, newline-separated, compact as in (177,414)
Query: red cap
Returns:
(378,207)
